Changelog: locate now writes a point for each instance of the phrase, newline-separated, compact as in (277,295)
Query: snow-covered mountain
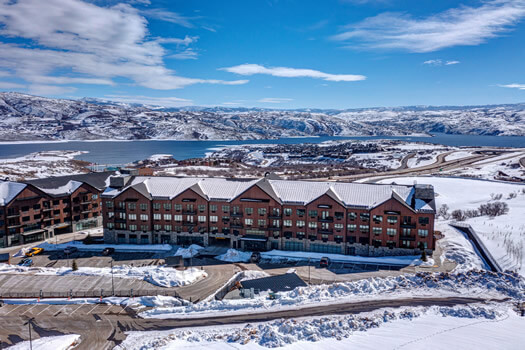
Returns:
(26,117)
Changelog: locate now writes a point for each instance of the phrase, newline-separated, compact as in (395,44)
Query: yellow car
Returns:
(34,251)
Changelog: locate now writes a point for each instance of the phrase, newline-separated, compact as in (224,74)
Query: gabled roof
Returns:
(67,189)
(9,190)
(97,180)
(279,283)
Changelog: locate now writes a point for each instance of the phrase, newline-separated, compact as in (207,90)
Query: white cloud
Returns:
(188,54)
(458,26)
(440,62)
(81,43)
(152,101)
(45,90)
(274,100)
(6,85)
(514,86)
(168,16)
(251,69)
(180,42)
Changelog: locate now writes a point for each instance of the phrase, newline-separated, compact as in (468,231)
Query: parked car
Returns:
(34,251)
(25,262)
(256,257)
(70,250)
(108,251)
(325,262)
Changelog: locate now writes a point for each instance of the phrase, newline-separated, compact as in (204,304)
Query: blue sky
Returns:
(274,54)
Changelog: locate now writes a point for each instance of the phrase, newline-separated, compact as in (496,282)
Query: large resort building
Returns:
(39,209)
(270,213)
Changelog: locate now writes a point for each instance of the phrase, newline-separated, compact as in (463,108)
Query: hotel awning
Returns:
(254,238)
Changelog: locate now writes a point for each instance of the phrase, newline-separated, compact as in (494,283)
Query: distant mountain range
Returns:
(25,117)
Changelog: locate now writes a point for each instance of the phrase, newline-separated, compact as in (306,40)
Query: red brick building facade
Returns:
(263,214)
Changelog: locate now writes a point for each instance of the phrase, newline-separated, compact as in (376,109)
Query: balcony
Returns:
(326,231)
(189,212)
(407,225)
(9,216)
(274,228)
(189,223)
(407,238)
(236,215)
(120,210)
(274,216)
(325,219)
(122,221)
(236,226)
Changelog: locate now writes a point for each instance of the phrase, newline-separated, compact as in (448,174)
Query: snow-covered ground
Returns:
(49,246)
(233,255)
(41,164)
(380,160)
(189,252)
(460,327)
(506,165)
(58,342)
(158,275)
(424,159)
(482,284)
(503,235)
(458,155)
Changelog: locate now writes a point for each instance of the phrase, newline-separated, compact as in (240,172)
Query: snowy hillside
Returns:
(25,117)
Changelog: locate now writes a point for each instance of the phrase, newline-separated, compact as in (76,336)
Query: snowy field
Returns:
(503,235)
(506,165)
(58,342)
(461,327)
(41,164)
(158,275)
(50,247)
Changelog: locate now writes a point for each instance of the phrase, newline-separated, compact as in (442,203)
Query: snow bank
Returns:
(50,247)
(21,253)
(189,252)
(475,326)
(59,342)
(233,255)
(158,275)
(472,283)
(280,255)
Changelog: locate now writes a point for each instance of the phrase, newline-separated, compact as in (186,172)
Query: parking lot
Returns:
(63,310)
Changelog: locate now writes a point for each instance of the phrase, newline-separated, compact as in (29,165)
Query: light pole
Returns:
(309,271)
(29,323)
(112,282)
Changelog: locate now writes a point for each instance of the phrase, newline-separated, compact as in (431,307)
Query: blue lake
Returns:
(122,152)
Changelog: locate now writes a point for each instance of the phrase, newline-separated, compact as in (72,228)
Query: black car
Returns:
(325,262)
(256,257)
(108,251)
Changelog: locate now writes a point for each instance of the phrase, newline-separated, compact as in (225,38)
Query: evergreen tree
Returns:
(74,266)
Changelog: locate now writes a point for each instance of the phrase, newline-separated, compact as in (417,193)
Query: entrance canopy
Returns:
(254,238)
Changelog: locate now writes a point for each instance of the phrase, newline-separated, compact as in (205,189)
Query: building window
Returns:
(422,245)
(261,222)
(364,228)
(167,228)
(225,208)
(133,227)
(143,206)
(133,239)
(167,217)
(156,206)
(201,218)
(407,220)
(132,217)
(144,217)
(364,216)
(167,206)
(132,206)
(177,207)
(109,204)
(213,208)
(391,231)
(261,211)
(287,211)
(406,231)
(351,227)
(201,208)
(144,228)
(276,223)
(110,225)
(122,215)
(300,212)
(177,218)
(423,220)
(422,233)
(377,219)
(352,216)
(156,216)
(391,219)
(377,230)
(248,211)
(122,225)
(300,223)
(312,224)
(339,227)
(287,223)
(312,213)
(248,222)
(110,214)
(157,227)
(94,196)
(214,218)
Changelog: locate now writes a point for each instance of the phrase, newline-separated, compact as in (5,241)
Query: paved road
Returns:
(103,326)
(522,162)
(404,161)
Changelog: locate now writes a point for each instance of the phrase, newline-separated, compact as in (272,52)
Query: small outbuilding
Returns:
(279,283)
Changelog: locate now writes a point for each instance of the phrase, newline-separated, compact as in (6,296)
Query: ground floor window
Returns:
(325,248)
(144,239)
(121,238)
(133,239)
(297,246)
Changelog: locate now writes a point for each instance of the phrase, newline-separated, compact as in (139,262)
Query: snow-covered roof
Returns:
(284,191)
(70,187)
(9,190)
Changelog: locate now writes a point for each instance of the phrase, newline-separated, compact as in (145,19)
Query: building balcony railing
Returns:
(325,219)
(14,226)
(273,228)
(326,231)
(236,215)
(189,212)
(236,226)
(407,238)
(9,216)
(189,223)
(274,216)
(408,225)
